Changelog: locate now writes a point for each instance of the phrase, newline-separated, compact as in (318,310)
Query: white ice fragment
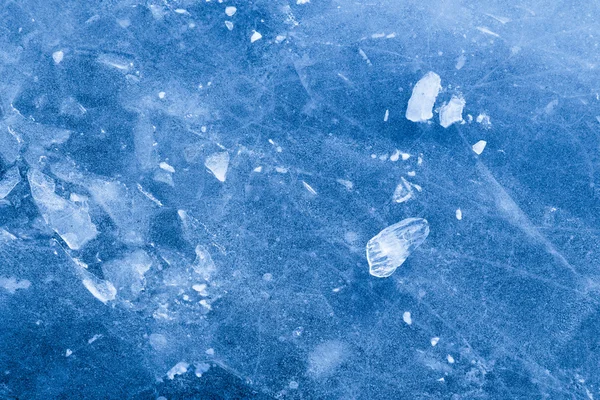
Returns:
(230,11)
(281,170)
(386,115)
(68,219)
(181,11)
(166,167)
(391,247)
(229,25)
(395,156)
(434,341)
(9,181)
(210,352)
(450,359)
(201,289)
(179,369)
(100,289)
(309,188)
(258,169)
(486,30)
(255,36)
(280,38)
(364,56)
(12,284)
(502,20)
(422,100)
(347,184)
(406,317)
(484,120)
(201,369)
(94,338)
(218,163)
(161,95)
(204,264)
(411,173)
(68,352)
(460,62)
(58,56)
(403,191)
(479,146)
(452,112)
(293,384)
(458,214)
(302,1)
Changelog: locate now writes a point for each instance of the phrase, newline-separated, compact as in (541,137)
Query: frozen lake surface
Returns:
(307,199)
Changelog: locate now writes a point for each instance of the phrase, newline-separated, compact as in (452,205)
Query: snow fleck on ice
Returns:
(422,100)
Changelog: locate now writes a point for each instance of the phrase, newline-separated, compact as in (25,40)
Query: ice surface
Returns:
(422,100)
(181,183)
(391,247)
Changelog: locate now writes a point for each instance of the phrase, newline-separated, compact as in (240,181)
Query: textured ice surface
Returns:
(196,182)
(388,250)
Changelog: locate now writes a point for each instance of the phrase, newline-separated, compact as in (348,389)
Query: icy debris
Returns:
(58,56)
(100,289)
(149,195)
(166,167)
(210,352)
(66,218)
(201,289)
(484,120)
(422,100)
(161,95)
(403,191)
(181,11)
(364,56)
(302,1)
(218,163)
(406,317)
(281,170)
(452,112)
(486,30)
(386,116)
(201,369)
(127,274)
(391,247)
(347,184)
(12,284)
(309,188)
(434,341)
(229,25)
(293,384)
(9,181)
(68,352)
(450,359)
(255,36)
(479,146)
(258,169)
(94,338)
(458,214)
(179,369)
(460,62)
(230,11)
(118,62)
(411,173)
(204,264)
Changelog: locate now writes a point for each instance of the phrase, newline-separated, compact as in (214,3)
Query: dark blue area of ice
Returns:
(187,190)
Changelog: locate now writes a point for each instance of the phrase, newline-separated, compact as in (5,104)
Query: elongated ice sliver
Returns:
(391,247)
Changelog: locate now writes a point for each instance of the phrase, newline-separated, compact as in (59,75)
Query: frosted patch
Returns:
(255,36)
(13,284)
(218,163)
(422,100)
(71,221)
(452,112)
(179,369)
(391,247)
(460,62)
(326,358)
(9,181)
(486,30)
(406,317)
(479,146)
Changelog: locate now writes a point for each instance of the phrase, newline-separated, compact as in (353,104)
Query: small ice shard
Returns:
(229,11)
(391,247)
(452,112)
(166,167)
(309,188)
(460,62)
(58,56)
(12,284)
(302,1)
(434,341)
(255,36)
(486,30)
(406,317)
(229,25)
(458,214)
(218,163)
(161,95)
(68,352)
(203,264)
(422,100)
(9,181)
(450,359)
(326,358)
(484,120)
(201,369)
(386,116)
(69,220)
(179,369)
(403,192)
(479,146)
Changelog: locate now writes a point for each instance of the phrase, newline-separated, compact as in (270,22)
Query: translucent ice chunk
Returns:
(392,246)
(403,192)
(218,163)
(420,104)
(66,218)
(452,112)
(8,182)
(12,285)
(179,369)
(101,289)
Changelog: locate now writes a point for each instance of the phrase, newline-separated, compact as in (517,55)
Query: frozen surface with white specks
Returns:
(299,199)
